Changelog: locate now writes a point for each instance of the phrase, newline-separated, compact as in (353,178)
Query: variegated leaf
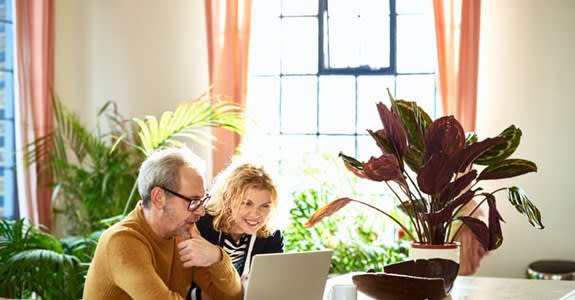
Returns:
(501,151)
(507,168)
(518,198)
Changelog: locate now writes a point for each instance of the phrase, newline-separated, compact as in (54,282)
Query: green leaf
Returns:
(415,120)
(507,168)
(518,198)
(382,142)
(501,151)
(351,161)
(413,158)
(186,121)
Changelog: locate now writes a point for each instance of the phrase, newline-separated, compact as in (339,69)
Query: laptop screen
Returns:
(289,276)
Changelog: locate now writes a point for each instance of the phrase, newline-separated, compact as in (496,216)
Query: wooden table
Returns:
(493,288)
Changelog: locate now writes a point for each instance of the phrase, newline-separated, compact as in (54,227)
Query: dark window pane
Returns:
(6,95)
(7,185)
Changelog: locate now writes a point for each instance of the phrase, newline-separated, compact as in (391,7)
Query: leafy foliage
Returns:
(188,121)
(32,261)
(91,174)
(94,173)
(444,160)
(360,248)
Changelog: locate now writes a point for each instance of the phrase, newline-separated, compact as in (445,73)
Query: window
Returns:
(317,68)
(7,159)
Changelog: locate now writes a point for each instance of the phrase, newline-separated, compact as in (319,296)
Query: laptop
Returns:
(288,276)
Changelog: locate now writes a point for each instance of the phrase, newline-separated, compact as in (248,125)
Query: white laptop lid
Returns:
(288,276)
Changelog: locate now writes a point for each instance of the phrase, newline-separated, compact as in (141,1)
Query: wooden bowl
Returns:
(411,279)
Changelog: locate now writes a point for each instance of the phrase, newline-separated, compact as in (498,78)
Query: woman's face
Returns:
(253,212)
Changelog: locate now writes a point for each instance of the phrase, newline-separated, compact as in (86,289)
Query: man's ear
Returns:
(158,197)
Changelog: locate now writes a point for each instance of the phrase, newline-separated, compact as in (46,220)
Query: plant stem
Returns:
(388,215)
(132,192)
(402,203)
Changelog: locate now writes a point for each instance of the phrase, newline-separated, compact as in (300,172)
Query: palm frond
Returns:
(34,261)
(187,122)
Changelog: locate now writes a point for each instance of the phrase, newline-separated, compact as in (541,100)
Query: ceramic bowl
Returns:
(411,279)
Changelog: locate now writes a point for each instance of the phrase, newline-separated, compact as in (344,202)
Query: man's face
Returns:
(177,219)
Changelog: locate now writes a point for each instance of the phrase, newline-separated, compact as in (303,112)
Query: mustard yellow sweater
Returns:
(132,262)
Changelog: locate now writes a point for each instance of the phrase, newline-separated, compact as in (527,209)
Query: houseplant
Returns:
(432,169)
(95,173)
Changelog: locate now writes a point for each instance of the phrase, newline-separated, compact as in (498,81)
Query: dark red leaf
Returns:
(455,188)
(381,140)
(495,233)
(384,168)
(478,228)
(353,165)
(435,174)
(467,155)
(444,214)
(394,130)
(444,135)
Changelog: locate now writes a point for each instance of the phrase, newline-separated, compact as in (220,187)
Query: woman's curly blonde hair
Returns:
(228,192)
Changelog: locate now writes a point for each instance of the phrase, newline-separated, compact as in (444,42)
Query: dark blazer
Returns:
(271,244)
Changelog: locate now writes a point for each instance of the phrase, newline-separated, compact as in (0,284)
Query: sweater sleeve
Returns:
(130,263)
(220,280)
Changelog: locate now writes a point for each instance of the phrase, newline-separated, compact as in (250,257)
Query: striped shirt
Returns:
(237,251)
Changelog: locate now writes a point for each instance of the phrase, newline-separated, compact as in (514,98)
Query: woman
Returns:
(238,219)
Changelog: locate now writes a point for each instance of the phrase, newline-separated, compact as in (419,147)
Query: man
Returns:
(155,252)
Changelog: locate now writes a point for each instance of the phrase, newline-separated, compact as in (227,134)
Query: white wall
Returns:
(147,55)
(527,65)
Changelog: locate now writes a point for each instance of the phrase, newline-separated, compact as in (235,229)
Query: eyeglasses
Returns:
(194,203)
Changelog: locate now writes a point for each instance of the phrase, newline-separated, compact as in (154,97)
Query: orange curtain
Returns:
(228,35)
(458,57)
(35,56)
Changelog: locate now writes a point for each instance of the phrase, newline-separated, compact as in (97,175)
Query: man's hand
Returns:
(471,252)
(198,252)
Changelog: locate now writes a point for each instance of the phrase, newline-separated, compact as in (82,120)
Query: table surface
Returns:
(495,288)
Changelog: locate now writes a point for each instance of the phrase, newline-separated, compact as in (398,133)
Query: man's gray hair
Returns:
(161,168)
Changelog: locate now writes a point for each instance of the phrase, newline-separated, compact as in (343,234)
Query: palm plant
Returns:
(36,263)
(95,174)
(90,178)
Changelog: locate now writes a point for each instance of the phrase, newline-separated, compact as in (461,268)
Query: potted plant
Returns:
(434,170)
(86,168)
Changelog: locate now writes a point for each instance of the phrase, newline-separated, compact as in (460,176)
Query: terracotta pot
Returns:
(428,251)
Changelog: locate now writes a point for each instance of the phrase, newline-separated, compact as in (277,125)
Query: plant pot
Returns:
(428,251)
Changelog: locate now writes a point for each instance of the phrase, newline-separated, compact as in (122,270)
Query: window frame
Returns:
(323,47)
